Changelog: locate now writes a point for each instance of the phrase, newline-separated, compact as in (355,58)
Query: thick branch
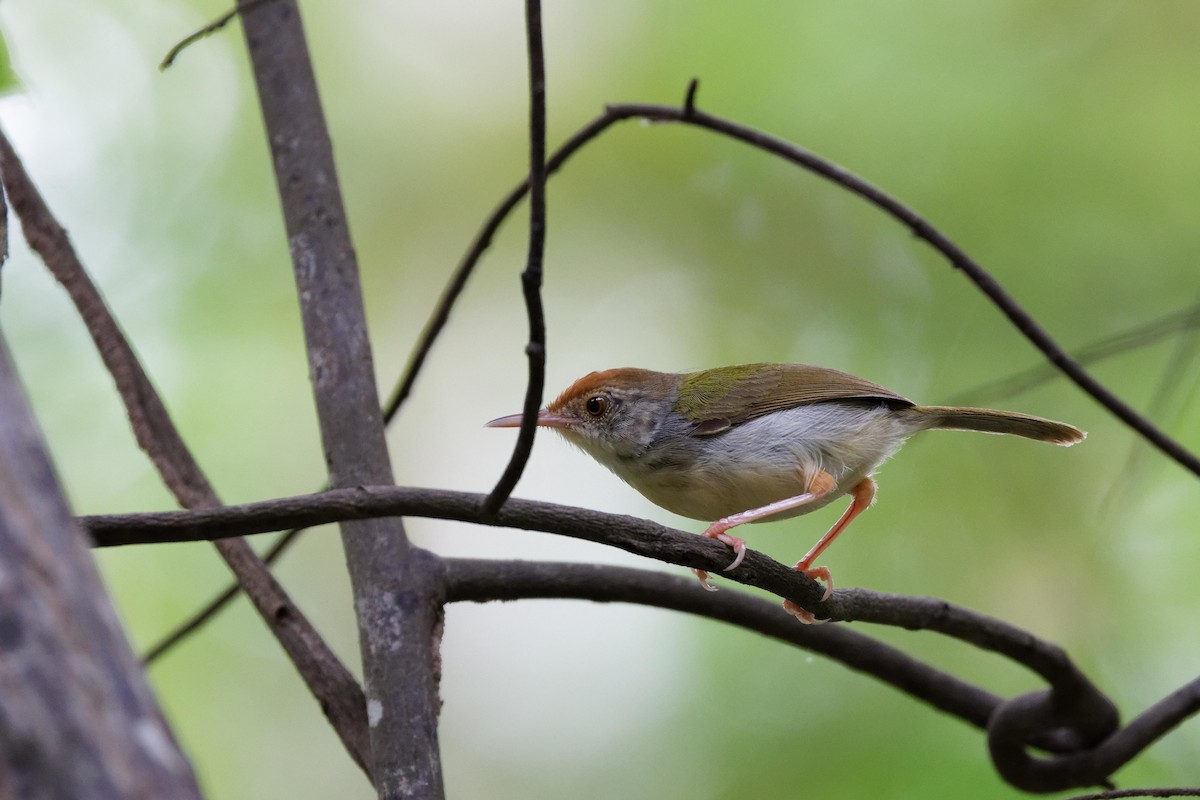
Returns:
(399,630)
(334,687)
(77,718)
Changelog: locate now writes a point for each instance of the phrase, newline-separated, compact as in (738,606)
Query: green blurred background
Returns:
(1055,142)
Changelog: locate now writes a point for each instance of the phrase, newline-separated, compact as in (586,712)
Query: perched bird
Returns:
(757,441)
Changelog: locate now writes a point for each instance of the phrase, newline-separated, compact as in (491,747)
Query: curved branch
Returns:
(925,231)
(921,228)
(482,580)
(634,535)
(1072,715)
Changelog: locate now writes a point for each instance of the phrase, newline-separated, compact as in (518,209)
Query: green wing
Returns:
(718,399)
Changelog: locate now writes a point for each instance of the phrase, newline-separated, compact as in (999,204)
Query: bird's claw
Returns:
(805,616)
(703,577)
(739,548)
(821,575)
(717,531)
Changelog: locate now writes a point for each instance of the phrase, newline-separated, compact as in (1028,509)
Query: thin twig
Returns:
(1119,794)
(208,30)
(479,245)
(1139,336)
(214,606)
(531,278)
(689,114)
(924,230)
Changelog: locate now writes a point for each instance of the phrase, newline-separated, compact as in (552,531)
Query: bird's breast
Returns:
(766,459)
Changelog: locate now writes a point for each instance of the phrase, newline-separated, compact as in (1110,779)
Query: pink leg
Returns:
(820,485)
(864,495)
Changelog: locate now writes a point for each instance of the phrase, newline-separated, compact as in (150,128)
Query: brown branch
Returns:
(330,682)
(399,632)
(531,278)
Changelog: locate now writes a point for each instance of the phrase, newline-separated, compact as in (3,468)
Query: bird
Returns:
(757,442)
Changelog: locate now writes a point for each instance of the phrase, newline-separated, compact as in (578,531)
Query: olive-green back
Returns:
(734,395)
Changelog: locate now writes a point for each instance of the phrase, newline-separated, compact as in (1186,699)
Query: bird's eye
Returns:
(596,406)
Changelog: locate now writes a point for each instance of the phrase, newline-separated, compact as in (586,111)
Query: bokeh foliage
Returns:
(1054,142)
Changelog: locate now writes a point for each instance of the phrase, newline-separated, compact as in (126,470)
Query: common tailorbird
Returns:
(757,441)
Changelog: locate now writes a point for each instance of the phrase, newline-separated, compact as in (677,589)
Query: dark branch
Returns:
(531,278)
(922,229)
(634,535)
(1072,714)
(478,580)
(688,114)
(1081,715)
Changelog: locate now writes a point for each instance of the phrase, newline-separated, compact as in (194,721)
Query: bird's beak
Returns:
(545,419)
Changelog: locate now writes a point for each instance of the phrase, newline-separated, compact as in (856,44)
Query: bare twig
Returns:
(214,606)
(331,683)
(220,22)
(531,278)
(1143,335)
(399,632)
(1118,794)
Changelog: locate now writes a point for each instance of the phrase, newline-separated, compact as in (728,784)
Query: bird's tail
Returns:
(989,421)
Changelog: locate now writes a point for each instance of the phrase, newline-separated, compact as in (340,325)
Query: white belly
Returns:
(768,459)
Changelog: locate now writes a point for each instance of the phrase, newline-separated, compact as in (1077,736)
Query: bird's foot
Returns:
(703,576)
(717,531)
(820,574)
